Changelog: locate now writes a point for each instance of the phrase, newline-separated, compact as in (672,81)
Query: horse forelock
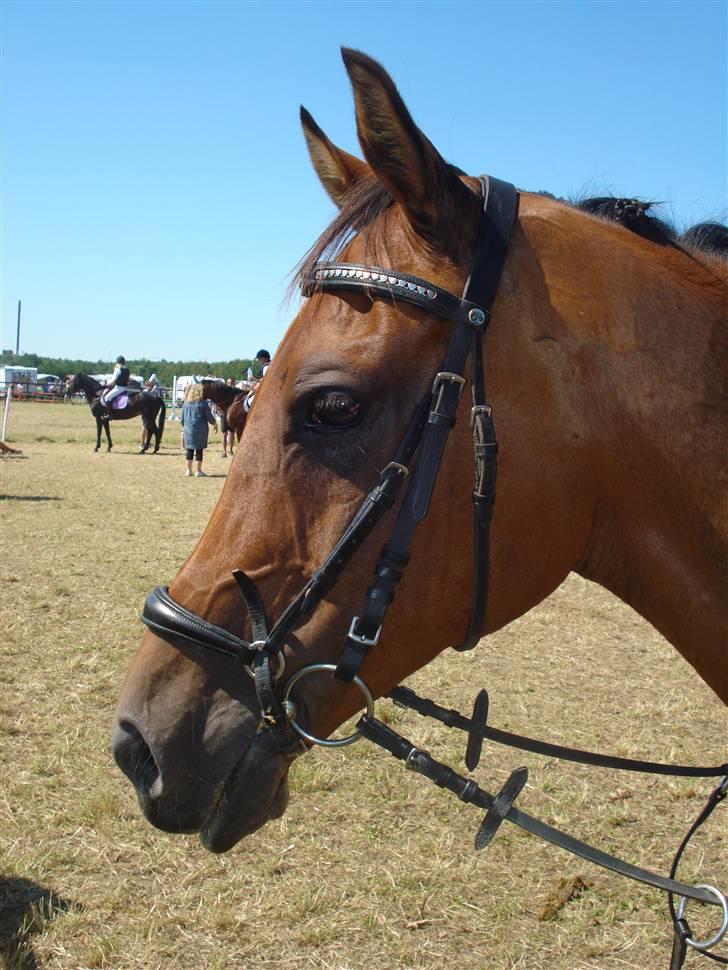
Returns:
(362,204)
(367,210)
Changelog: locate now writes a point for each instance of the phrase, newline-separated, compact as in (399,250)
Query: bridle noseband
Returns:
(424,439)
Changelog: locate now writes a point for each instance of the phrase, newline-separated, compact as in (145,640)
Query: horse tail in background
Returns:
(162,413)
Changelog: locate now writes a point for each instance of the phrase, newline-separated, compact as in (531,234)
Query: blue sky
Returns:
(156,189)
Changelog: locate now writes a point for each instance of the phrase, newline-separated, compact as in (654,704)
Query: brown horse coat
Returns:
(605,368)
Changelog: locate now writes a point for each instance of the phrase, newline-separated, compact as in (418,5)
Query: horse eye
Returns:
(333,411)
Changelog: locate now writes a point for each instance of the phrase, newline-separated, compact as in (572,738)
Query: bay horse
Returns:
(605,366)
(229,399)
(141,404)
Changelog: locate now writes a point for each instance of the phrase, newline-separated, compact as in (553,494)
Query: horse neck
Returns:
(644,334)
(90,387)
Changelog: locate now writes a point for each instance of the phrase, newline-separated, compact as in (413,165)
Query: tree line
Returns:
(164,369)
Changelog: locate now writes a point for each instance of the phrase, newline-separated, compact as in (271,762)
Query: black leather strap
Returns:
(499,208)
(467,790)
(682,929)
(272,711)
(406,697)
(174,623)
(393,285)
(444,397)
(500,204)
(679,945)
(476,731)
(254,605)
(502,804)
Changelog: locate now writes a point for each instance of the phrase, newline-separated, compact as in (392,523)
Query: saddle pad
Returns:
(117,403)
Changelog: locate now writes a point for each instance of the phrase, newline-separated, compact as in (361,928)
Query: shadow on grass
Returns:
(150,453)
(30,498)
(25,908)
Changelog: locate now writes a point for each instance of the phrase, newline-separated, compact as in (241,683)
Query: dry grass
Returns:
(371,866)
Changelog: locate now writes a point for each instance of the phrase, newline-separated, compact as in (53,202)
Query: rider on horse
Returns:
(119,383)
(263,360)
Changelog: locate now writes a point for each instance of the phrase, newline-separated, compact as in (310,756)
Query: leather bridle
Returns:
(424,439)
(417,460)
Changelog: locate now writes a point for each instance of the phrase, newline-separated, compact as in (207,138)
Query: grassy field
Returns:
(371,867)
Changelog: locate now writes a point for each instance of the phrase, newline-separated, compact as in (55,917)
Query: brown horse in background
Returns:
(231,402)
(605,369)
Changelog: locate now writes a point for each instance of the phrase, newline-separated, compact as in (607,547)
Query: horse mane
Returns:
(708,237)
(95,385)
(633,214)
(368,198)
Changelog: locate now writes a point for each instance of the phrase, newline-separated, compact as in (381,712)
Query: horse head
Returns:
(344,388)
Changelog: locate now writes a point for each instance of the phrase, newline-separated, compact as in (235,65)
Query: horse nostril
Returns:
(134,757)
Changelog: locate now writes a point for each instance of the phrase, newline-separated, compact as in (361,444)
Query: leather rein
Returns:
(424,440)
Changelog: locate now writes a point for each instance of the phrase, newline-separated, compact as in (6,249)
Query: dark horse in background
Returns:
(606,365)
(141,404)
(230,400)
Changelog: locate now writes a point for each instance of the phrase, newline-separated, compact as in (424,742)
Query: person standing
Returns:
(153,386)
(196,419)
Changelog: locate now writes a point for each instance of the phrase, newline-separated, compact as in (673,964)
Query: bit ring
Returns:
(311,738)
(707,944)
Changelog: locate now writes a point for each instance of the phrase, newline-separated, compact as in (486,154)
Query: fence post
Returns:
(7,409)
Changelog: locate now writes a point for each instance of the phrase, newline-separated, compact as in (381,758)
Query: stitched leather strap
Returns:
(394,285)
(500,204)
(499,201)
(406,697)
(174,623)
(467,790)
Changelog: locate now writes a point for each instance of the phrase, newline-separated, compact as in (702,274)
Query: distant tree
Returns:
(165,370)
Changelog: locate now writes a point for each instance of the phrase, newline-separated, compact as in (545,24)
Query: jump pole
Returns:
(173,415)
(7,409)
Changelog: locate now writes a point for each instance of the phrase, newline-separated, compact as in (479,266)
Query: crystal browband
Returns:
(395,285)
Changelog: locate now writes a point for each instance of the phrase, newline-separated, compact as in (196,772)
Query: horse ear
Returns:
(337,169)
(402,157)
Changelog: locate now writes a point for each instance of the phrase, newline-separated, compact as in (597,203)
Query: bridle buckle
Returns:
(479,409)
(395,466)
(360,638)
(446,376)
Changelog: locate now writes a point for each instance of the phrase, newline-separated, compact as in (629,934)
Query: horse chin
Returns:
(255,792)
